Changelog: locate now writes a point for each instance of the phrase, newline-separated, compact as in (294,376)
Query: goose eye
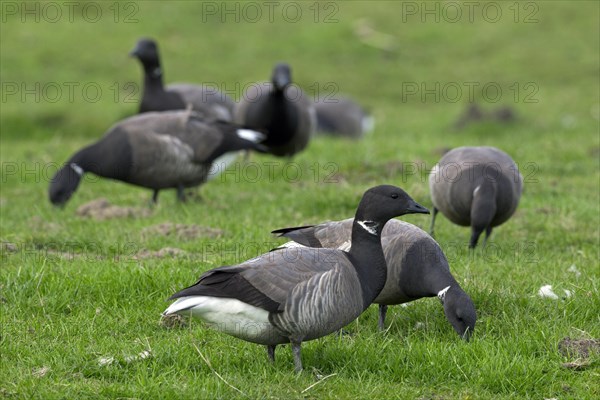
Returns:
(394,195)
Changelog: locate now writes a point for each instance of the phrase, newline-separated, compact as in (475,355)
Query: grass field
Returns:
(80,302)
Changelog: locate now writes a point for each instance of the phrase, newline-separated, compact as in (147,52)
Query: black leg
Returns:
(433,215)
(155,196)
(488,232)
(382,311)
(474,237)
(297,357)
(181,193)
(271,352)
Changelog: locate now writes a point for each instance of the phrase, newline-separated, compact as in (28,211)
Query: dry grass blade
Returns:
(317,382)
(216,373)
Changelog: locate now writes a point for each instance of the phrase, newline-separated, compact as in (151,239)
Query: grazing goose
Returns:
(156,97)
(475,186)
(282,110)
(416,267)
(295,295)
(158,150)
(342,117)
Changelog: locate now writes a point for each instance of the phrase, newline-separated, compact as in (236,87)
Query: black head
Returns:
(146,50)
(282,76)
(460,311)
(382,203)
(64,184)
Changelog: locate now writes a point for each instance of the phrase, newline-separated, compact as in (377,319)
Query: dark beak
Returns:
(281,81)
(416,208)
(134,52)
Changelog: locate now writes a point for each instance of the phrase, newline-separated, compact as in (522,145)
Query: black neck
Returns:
(111,157)
(86,159)
(153,77)
(368,257)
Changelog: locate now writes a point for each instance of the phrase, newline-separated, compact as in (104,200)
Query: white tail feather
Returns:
(248,134)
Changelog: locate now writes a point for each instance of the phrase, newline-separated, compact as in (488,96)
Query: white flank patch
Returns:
(221,164)
(78,170)
(368,123)
(476,190)
(291,245)
(345,246)
(227,315)
(442,293)
(250,135)
(367,228)
(546,291)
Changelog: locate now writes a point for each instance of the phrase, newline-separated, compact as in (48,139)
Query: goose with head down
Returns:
(416,267)
(157,150)
(478,187)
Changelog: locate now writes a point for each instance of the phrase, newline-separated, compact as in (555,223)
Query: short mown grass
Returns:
(79,307)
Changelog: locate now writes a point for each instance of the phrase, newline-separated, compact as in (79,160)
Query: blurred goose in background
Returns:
(475,186)
(342,117)
(281,109)
(155,97)
(416,267)
(474,113)
(295,295)
(156,150)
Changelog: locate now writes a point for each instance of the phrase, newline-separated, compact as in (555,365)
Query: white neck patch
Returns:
(371,229)
(78,170)
(157,71)
(442,293)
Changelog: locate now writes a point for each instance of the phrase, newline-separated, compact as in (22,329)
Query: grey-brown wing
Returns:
(206,99)
(266,281)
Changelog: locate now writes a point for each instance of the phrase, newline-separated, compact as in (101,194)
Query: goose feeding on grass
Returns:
(475,186)
(416,267)
(281,109)
(176,96)
(295,295)
(158,150)
(342,117)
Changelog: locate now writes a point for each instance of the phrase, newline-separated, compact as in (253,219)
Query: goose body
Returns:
(282,110)
(295,295)
(475,186)
(416,267)
(342,117)
(156,97)
(158,150)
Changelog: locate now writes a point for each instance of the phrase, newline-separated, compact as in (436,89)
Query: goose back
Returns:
(342,117)
(416,265)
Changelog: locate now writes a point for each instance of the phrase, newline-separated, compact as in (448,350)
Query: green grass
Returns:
(73,293)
